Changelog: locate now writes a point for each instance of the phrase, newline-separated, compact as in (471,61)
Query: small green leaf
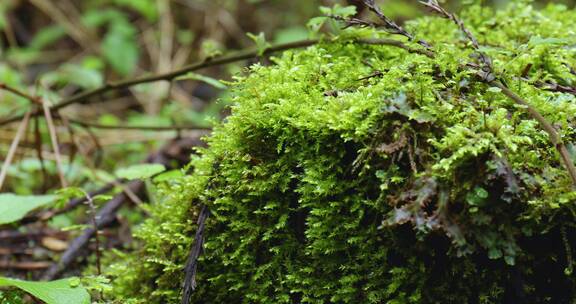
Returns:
(81,76)
(536,40)
(291,34)
(140,171)
(316,23)
(481,192)
(509,260)
(339,10)
(494,89)
(344,11)
(168,175)
(120,48)
(260,41)
(65,291)
(14,207)
(494,253)
(209,80)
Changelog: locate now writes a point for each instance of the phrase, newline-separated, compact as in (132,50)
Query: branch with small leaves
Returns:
(486,70)
(486,74)
(390,25)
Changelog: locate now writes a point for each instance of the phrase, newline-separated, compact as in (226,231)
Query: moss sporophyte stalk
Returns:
(368,173)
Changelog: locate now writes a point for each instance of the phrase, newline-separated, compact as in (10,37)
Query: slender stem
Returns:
(13,147)
(142,128)
(54,141)
(545,125)
(17,92)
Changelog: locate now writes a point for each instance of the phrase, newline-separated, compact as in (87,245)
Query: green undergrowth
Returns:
(353,173)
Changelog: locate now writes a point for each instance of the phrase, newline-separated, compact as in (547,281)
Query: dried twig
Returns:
(141,128)
(18,92)
(13,147)
(54,141)
(49,122)
(554,87)
(93,217)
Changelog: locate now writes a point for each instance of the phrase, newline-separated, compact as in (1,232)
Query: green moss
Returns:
(421,185)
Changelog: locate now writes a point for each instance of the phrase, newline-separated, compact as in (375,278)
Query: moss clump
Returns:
(418,185)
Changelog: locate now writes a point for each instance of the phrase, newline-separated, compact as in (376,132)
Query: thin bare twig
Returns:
(54,141)
(18,92)
(13,147)
(141,128)
(545,125)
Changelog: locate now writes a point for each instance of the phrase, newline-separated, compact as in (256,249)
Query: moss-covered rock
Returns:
(353,173)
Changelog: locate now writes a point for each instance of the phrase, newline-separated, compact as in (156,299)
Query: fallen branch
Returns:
(6,236)
(13,147)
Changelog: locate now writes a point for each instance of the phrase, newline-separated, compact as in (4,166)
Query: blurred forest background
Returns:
(58,48)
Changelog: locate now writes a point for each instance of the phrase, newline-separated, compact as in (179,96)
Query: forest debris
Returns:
(107,214)
(394,146)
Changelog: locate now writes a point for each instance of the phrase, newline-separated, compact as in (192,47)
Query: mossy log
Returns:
(354,173)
